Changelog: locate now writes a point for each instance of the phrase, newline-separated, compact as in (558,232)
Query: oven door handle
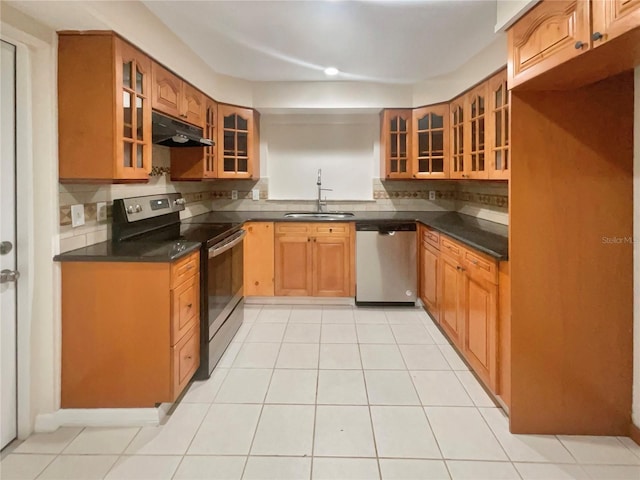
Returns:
(227,244)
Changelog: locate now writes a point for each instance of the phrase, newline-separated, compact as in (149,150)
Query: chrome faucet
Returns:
(320,203)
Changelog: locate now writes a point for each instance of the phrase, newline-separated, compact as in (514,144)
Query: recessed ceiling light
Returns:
(331,71)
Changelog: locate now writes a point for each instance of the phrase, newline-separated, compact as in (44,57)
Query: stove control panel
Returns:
(141,208)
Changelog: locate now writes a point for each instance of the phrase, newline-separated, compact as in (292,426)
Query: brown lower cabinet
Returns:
(258,259)
(314,259)
(460,289)
(131,332)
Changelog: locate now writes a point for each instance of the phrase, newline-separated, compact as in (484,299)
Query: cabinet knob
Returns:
(595,36)
(579,44)
(190,305)
(188,357)
(257,283)
(308,239)
(331,230)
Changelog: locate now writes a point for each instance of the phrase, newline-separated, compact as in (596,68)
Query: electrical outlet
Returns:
(234,194)
(101,211)
(255,194)
(432,194)
(77,215)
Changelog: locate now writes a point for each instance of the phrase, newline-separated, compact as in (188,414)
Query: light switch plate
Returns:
(255,194)
(101,211)
(77,215)
(234,194)
(432,194)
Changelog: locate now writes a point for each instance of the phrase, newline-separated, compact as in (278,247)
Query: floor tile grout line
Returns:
(373,431)
(255,432)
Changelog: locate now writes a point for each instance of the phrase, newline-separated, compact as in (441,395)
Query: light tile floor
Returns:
(309,392)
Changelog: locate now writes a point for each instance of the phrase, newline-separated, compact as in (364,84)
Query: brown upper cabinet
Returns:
(466,138)
(554,32)
(469,133)
(431,141)
(173,96)
(498,127)
(104,113)
(198,163)
(238,142)
(395,143)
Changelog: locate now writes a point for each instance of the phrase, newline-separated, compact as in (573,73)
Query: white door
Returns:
(8,274)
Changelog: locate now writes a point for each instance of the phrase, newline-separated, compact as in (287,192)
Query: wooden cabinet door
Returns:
(475,133)
(457,111)
(167,91)
(498,127)
(236,142)
(331,266)
(430,279)
(550,34)
(293,258)
(210,131)
(193,105)
(480,327)
(612,18)
(133,120)
(258,259)
(451,300)
(395,143)
(430,142)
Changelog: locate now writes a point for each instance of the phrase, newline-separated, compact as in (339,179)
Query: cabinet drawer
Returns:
(332,229)
(450,247)
(431,236)
(185,268)
(185,360)
(295,228)
(185,307)
(480,267)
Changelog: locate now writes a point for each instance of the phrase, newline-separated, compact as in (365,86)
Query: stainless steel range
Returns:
(156,219)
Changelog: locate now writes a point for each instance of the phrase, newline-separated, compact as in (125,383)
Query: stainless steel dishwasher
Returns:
(386,267)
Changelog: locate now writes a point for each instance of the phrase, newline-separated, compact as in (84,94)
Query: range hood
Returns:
(170,132)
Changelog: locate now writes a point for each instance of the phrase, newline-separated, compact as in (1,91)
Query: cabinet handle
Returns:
(596,36)
(579,44)
(188,357)
(190,305)
(475,262)
(188,266)
(308,239)
(331,230)
(314,239)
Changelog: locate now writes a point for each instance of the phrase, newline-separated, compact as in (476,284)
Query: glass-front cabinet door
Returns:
(431,142)
(235,142)
(396,143)
(133,113)
(476,163)
(211,124)
(498,127)
(457,116)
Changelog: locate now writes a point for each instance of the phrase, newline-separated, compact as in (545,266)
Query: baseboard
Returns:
(348,301)
(634,433)
(100,417)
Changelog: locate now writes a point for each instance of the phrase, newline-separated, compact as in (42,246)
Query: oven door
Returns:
(224,279)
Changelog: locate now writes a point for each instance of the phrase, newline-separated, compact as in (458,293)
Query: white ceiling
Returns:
(392,41)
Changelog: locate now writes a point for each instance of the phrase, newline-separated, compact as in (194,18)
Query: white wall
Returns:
(345,147)
(446,87)
(328,95)
(636,253)
(508,11)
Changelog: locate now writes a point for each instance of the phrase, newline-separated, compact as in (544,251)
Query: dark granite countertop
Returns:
(158,252)
(483,235)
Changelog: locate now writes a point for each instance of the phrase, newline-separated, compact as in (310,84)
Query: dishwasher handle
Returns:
(387,233)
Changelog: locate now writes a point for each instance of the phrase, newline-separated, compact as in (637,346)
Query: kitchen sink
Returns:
(319,216)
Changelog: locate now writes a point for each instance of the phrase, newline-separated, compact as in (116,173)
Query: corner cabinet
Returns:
(175,97)
(395,144)
(198,163)
(134,346)
(314,259)
(104,109)
(612,18)
(430,142)
(238,142)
